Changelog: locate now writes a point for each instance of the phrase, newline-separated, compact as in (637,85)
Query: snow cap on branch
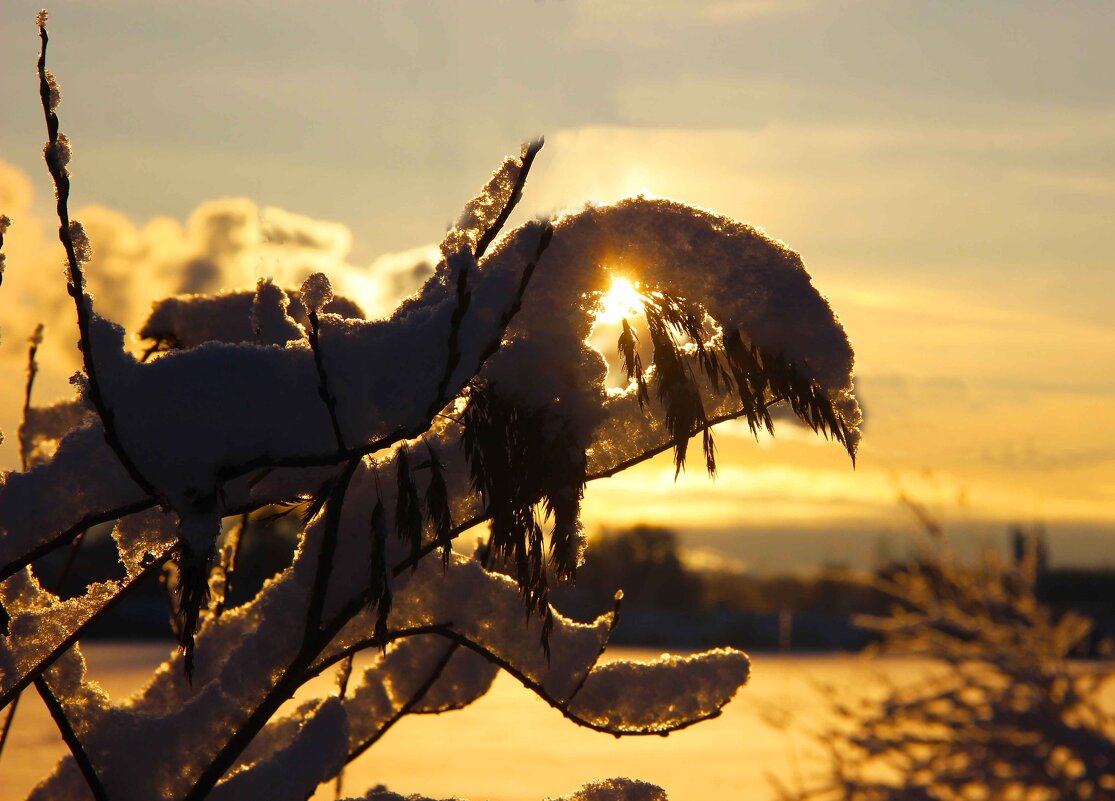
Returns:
(316,292)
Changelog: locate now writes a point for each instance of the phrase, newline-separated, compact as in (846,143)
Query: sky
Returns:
(946,170)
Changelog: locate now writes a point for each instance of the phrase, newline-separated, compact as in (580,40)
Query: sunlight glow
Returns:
(623,299)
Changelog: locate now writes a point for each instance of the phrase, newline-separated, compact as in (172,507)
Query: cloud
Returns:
(656,23)
(15,189)
(222,244)
(995,370)
(958,194)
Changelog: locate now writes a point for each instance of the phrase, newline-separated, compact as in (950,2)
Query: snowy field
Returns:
(510,746)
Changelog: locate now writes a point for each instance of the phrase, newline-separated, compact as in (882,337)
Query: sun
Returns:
(622,299)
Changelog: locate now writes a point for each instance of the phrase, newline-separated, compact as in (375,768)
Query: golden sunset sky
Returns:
(946,170)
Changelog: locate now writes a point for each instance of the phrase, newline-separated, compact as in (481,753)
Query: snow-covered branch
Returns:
(477,400)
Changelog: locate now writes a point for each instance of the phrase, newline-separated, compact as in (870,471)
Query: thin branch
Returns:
(526,158)
(544,238)
(476,520)
(86,522)
(8,723)
(267,462)
(560,705)
(71,638)
(5,221)
(44,690)
(334,506)
(32,371)
(453,354)
(323,379)
(298,671)
(342,689)
(71,738)
(406,708)
(57,156)
(649,454)
(603,647)
(71,558)
(317,668)
(280,692)
(322,459)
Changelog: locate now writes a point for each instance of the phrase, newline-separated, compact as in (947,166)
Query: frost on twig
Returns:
(57,153)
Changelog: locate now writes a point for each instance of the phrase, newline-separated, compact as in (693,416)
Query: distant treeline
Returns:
(665,602)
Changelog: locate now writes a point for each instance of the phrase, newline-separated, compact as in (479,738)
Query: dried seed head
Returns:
(41,17)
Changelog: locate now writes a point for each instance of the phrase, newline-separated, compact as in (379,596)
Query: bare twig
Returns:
(301,668)
(406,708)
(476,520)
(5,221)
(68,641)
(526,159)
(41,685)
(529,151)
(342,689)
(453,354)
(266,462)
(560,705)
(280,691)
(67,536)
(71,558)
(57,156)
(8,723)
(544,237)
(334,507)
(63,723)
(323,379)
(32,372)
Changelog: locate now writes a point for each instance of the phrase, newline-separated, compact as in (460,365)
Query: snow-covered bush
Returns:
(1003,713)
(479,400)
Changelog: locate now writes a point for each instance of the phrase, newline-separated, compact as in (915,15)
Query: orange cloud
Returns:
(222,244)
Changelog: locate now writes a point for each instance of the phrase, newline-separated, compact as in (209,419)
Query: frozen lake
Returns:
(511,746)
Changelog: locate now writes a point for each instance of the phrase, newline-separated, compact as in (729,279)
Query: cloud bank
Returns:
(223,244)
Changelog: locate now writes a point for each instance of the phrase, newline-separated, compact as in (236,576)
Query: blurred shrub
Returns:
(1003,715)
